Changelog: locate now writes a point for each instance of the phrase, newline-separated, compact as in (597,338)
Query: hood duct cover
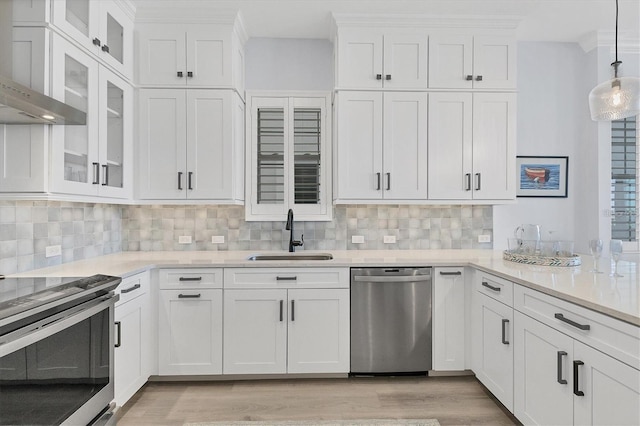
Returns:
(22,105)
(18,103)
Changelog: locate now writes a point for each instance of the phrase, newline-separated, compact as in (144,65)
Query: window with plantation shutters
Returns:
(624,179)
(288,157)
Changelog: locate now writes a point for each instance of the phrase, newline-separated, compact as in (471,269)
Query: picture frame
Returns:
(542,176)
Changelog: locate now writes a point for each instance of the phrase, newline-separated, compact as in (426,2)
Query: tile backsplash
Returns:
(150,228)
(85,230)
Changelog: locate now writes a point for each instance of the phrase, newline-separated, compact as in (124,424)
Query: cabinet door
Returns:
(494,354)
(162,55)
(450,146)
(23,160)
(209,144)
(405,146)
(494,136)
(450,61)
(162,155)
(116,31)
(208,57)
(75,161)
(318,331)
(494,59)
(542,374)
(80,19)
(116,131)
(611,389)
(255,331)
(131,351)
(359,145)
(360,61)
(405,62)
(190,327)
(448,319)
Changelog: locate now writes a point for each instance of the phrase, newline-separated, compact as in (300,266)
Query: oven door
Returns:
(59,370)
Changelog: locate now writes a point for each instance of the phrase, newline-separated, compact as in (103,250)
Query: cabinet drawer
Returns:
(132,287)
(286,278)
(190,278)
(609,335)
(495,287)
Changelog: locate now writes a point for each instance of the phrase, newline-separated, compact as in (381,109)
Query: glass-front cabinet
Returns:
(101,27)
(90,159)
(289,157)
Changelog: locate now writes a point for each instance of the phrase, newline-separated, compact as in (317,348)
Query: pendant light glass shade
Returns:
(615,99)
(618,98)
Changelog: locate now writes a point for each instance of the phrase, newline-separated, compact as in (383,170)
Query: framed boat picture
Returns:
(542,176)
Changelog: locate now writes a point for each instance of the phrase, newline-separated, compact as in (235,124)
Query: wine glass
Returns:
(595,246)
(615,247)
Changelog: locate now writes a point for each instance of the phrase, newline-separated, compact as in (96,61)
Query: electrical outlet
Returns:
(217,239)
(389,239)
(484,238)
(51,251)
(357,239)
(184,239)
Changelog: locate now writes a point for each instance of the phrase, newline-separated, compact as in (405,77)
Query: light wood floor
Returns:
(451,400)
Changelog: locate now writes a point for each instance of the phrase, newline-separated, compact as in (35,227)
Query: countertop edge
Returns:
(125,264)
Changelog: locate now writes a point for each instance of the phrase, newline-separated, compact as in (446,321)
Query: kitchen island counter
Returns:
(616,297)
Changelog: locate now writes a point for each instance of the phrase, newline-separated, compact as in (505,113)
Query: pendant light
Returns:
(618,98)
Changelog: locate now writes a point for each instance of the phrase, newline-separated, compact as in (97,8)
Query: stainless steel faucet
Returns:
(289,227)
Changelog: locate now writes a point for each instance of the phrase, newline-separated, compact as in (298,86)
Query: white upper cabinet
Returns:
(23,159)
(193,55)
(382,146)
(104,28)
(191,145)
(472,62)
(92,159)
(472,146)
(370,60)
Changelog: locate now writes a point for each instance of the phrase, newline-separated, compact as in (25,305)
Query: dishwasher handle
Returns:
(392,278)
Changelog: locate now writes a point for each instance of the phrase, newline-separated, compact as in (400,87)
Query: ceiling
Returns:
(541,20)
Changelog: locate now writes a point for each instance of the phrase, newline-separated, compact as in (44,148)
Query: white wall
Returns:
(552,112)
(288,64)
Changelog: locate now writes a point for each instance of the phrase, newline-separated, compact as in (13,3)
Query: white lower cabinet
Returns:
(493,347)
(190,332)
(448,319)
(560,380)
(610,388)
(190,321)
(133,337)
(276,331)
(543,381)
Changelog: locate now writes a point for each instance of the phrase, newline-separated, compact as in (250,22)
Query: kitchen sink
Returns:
(292,256)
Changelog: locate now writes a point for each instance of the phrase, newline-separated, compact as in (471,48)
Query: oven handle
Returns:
(46,327)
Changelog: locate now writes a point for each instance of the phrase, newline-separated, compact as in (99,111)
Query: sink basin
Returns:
(292,256)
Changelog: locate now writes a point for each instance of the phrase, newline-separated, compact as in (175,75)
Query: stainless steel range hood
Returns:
(20,104)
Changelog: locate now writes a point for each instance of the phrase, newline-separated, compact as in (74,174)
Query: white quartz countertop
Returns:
(616,297)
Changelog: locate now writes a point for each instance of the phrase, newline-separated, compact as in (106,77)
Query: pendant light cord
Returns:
(617,62)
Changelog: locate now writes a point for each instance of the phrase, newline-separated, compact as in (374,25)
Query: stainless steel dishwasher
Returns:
(390,320)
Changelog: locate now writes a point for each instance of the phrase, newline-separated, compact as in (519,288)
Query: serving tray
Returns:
(528,259)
